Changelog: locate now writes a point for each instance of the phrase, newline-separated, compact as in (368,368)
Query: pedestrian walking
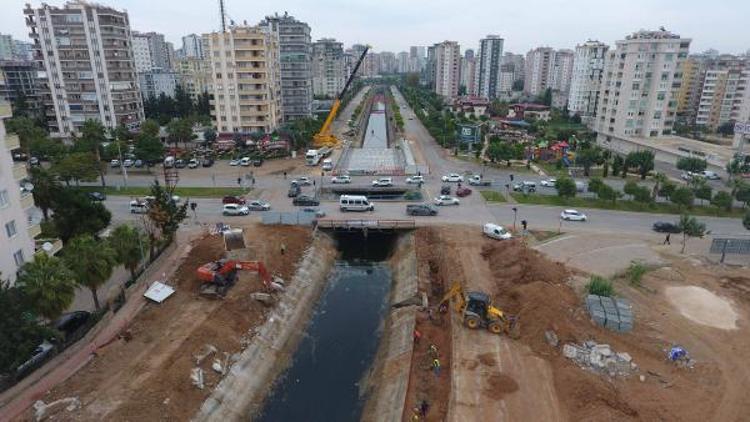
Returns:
(424,407)
(436,367)
(253,181)
(283,248)
(284,175)
(433,351)
(666,239)
(239,180)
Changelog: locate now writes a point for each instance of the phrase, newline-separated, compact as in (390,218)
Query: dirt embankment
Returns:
(147,376)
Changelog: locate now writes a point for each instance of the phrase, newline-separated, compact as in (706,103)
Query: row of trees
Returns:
(163,108)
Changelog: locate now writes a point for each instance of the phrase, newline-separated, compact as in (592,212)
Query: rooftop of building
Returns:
(661,34)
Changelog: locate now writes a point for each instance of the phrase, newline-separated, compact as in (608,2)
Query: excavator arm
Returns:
(257,266)
(455,291)
(324,137)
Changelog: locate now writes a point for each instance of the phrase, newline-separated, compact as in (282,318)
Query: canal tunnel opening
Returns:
(324,381)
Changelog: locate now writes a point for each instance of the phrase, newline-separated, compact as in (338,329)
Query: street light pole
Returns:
(515,215)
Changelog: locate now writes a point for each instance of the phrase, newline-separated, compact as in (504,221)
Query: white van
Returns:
(138,207)
(355,203)
(327,164)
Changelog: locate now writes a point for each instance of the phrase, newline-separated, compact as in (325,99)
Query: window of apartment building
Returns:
(4,201)
(18,258)
(10,228)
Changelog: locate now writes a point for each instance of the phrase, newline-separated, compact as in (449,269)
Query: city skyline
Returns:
(426,23)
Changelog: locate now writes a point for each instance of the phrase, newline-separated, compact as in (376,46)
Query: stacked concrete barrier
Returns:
(614,314)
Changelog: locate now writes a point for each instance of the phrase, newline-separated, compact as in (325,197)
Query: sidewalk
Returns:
(17,399)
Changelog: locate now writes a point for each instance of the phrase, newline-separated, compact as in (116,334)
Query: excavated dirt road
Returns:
(148,376)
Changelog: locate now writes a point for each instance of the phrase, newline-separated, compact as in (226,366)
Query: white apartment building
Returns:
(562,71)
(487,69)
(512,69)
(246,79)
(192,46)
(85,50)
(160,52)
(588,66)
(447,69)
(402,62)
(468,73)
(194,75)
(538,73)
(640,86)
(141,54)
(329,68)
(18,226)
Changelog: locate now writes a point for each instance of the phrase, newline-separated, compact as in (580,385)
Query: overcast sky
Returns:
(394,25)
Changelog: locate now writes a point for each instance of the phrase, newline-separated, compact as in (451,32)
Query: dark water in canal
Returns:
(339,345)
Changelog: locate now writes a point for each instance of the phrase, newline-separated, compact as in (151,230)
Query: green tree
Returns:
(91,261)
(683,197)
(692,164)
(703,191)
(722,200)
(595,184)
(566,187)
(49,285)
(659,180)
(76,166)
(742,193)
(667,189)
(209,135)
(500,151)
(498,108)
(642,160)
(20,331)
(746,220)
(76,214)
(180,130)
(690,227)
(587,157)
(150,127)
(164,216)
(608,193)
(148,148)
(630,188)
(45,186)
(618,165)
(28,132)
(127,243)
(183,103)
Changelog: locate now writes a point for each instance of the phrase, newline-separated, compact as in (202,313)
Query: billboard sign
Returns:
(468,133)
(742,128)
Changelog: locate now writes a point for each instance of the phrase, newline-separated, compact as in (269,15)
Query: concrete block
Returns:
(596,359)
(624,327)
(623,303)
(624,357)
(612,323)
(603,349)
(592,300)
(570,351)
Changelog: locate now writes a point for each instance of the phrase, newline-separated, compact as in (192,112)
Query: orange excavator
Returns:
(218,276)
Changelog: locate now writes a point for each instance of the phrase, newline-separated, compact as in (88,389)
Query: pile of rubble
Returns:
(600,358)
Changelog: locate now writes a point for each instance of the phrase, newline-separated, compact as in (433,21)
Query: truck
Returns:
(476,180)
(313,156)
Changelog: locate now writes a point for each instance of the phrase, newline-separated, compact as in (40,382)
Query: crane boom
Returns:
(324,137)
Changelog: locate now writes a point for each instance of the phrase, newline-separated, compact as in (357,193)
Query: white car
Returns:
(341,179)
(415,180)
(573,215)
(446,200)
(382,182)
(234,162)
(302,181)
(128,163)
(710,175)
(235,209)
(550,183)
(193,163)
(689,175)
(453,177)
(494,231)
(245,161)
(114,163)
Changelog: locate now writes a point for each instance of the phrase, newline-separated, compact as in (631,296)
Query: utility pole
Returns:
(122,166)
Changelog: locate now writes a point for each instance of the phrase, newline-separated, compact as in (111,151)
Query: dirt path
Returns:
(148,376)
(495,378)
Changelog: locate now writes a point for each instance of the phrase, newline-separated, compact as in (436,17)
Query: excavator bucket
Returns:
(234,239)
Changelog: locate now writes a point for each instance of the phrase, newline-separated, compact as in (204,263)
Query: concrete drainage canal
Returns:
(326,377)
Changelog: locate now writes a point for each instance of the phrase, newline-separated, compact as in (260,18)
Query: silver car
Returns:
(258,205)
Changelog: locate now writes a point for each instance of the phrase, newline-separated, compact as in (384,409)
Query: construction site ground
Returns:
(145,375)
(498,378)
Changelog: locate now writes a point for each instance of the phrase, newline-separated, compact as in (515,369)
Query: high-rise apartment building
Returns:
(246,79)
(722,94)
(89,72)
(429,68)
(20,79)
(468,73)
(402,62)
(641,83)
(154,61)
(447,69)
(329,68)
(693,74)
(387,62)
(487,68)
(511,73)
(192,46)
(194,75)
(18,225)
(562,72)
(159,51)
(588,67)
(538,73)
(295,46)
(12,49)
(417,58)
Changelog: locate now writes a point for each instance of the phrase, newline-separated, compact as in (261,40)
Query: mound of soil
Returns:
(512,264)
(498,385)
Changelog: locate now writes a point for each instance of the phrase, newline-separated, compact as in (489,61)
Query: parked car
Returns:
(463,191)
(421,209)
(666,227)
(711,175)
(445,190)
(232,199)
(234,162)
(294,190)
(138,207)
(305,200)
(42,352)
(68,324)
(573,215)
(446,200)
(549,183)
(318,213)
(128,163)
(245,161)
(341,179)
(525,186)
(453,178)
(114,163)
(97,196)
(193,163)
(257,162)
(207,162)
(303,181)
(258,205)
(415,180)
(689,175)
(33,161)
(494,231)
(180,164)
(383,182)
(235,209)
(476,180)
(138,163)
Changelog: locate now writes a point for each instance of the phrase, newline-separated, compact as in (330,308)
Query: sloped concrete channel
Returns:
(335,349)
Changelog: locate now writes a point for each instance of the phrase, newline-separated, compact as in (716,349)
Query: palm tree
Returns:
(49,285)
(45,185)
(127,244)
(91,261)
